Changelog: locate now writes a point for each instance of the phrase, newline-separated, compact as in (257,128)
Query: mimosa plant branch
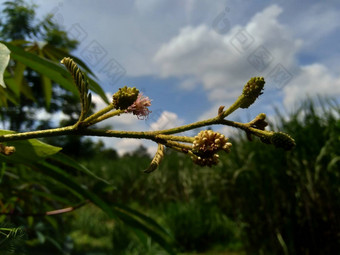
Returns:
(202,148)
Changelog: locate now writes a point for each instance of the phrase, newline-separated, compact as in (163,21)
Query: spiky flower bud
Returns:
(251,91)
(208,141)
(205,146)
(125,97)
(283,140)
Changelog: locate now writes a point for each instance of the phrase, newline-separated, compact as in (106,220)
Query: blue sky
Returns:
(190,56)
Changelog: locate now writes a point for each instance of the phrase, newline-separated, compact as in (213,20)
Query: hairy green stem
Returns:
(104,117)
(185,139)
(232,108)
(39,134)
(180,146)
(98,114)
(151,135)
(191,126)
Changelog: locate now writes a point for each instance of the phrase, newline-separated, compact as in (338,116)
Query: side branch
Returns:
(151,135)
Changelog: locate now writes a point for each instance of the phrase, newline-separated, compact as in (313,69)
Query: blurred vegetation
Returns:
(258,200)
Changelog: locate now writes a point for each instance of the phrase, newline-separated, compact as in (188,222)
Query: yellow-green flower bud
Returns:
(205,146)
(208,141)
(283,140)
(125,97)
(251,91)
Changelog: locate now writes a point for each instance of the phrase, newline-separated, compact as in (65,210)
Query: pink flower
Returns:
(139,107)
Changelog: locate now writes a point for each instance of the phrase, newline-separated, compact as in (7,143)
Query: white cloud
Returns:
(166,120)
(55,118)
(314,79)
(127,145)
(317,21)
(201,55)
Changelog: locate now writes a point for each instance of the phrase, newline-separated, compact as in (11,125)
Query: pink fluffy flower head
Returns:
(140,107)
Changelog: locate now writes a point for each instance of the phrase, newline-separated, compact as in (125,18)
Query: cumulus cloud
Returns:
(314,79)
(213,58)
(127,145)
(222,65)
(166,120)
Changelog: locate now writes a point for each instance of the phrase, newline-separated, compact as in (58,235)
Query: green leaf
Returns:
(28,151)
(136,223)
(13,82)
(68,161)
(95,87)
(40,236)
(6,94)
(142,217)
(58,54)
(51,197)
(53,70)
(128,216)
(43,66)
(47,88)
(17,84)
(27,91)
(67,180)
(18,77)
(4,59)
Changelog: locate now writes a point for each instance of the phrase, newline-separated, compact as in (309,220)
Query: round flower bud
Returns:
(125,97)
(283,140)
(251,91)
(208,142)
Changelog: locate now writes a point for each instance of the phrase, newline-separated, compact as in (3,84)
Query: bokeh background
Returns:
(189,57)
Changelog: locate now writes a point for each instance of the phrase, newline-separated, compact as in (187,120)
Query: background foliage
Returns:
(258,200)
